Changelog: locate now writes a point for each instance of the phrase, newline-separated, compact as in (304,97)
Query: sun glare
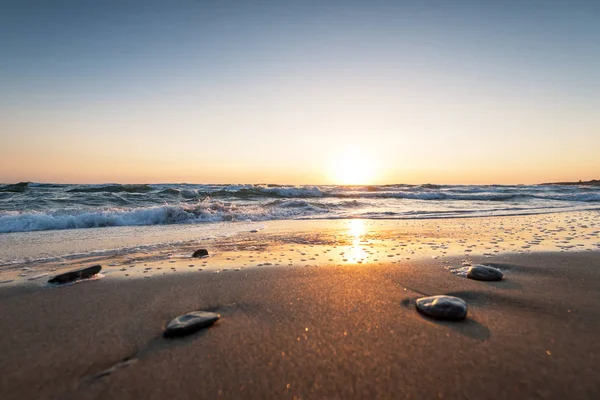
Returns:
(356,230)
(353,168)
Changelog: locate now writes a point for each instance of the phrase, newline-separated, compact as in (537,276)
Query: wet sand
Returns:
(31,257)
(335,331)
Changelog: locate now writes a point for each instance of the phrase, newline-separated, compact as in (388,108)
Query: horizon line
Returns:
(304,184)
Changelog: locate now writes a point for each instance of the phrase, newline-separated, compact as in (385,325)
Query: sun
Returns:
(353,168)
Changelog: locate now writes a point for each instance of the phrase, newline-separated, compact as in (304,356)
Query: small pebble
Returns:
(200,253)
(70,276)
(442,307)
(484,273)
(189,323)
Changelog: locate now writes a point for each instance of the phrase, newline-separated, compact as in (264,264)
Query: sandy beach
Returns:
(299,200)
(309,330)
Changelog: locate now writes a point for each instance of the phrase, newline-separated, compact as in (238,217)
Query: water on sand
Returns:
(135,252)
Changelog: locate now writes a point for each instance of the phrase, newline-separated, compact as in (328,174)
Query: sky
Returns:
(299,92)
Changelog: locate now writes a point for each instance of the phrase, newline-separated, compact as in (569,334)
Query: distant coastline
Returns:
(593,182)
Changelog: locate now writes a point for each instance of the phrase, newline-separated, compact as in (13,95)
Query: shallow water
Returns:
(143,252)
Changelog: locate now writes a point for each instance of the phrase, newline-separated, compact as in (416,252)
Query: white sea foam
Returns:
(208,211)
(297,191)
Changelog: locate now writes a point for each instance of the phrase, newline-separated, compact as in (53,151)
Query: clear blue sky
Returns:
(292,91)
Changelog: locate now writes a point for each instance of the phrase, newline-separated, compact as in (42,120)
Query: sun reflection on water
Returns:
(356,230)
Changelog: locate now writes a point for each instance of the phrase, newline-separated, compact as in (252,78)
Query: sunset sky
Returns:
(299,92)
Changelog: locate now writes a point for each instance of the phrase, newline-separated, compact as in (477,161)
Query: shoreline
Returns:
(165,250)
(334,331)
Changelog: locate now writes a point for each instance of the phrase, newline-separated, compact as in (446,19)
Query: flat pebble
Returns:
(189,323)
(442,307)
(484,273)
(71,276)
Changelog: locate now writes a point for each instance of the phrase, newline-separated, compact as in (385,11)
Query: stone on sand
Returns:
(189,323)
(200,253)
(484,273)
(71,276)
(443,307)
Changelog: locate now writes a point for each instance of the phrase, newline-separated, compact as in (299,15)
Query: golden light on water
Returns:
(356,230)
(353,168)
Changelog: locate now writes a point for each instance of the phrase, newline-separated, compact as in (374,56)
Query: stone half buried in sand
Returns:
(443,307)
(484,273)
(78,274)
(189,323)
(200,253)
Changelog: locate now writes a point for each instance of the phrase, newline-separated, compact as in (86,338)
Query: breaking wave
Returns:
(159,215)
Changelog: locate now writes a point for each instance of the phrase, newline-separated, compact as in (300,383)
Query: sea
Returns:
(28,206)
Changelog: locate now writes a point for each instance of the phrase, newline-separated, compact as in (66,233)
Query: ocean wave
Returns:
(430,186)
(431,195)
(288,203)
(211,211)
(111,189)
(287,192)
(170,191)
(160,193)
(484,196)
(471,194)
(241,191)
(184,193)
(30,206)
(580,197)
(16,187)
(217,211)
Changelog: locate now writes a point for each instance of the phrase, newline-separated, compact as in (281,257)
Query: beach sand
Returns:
(337,330)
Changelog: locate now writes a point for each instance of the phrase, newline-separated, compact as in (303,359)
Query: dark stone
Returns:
(484,273)
(189,323)
(71,276)
(443,307)
(200,253)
